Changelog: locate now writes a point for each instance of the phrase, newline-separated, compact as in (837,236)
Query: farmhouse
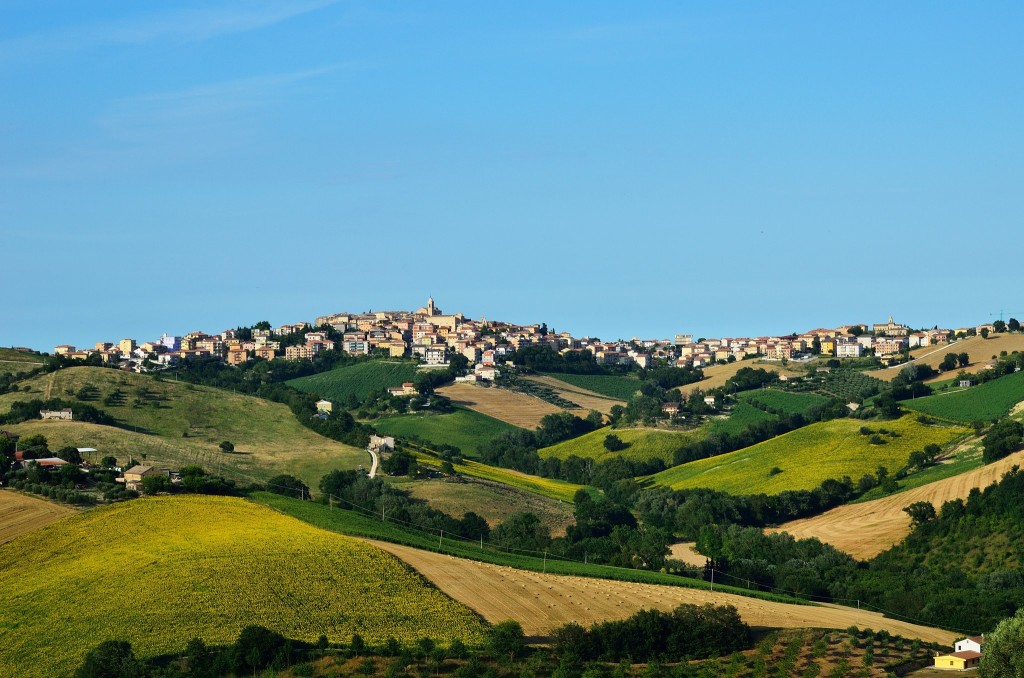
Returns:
(966,655)
(324,406)
(64,414)
(132,478)
(381,444)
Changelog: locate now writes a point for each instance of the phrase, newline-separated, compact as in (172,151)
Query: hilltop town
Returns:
(431,336)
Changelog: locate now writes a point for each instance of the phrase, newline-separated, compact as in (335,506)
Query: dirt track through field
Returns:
(864,530)
(21,514)
(517,409)
(543,602)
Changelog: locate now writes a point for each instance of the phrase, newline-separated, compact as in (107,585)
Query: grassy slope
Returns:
(267,437)
(545,487)
(614,386)
(14,362)
(644,443)
(157,572)
(463,428)
(808,456)
(986,402)
(357,380)
(352,523)
(791,403)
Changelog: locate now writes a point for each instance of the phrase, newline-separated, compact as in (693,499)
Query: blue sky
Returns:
(612,169)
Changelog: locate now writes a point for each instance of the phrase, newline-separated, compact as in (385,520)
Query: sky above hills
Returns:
(612,169)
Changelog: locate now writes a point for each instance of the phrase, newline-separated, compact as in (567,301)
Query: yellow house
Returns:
(958,661)
(828,345)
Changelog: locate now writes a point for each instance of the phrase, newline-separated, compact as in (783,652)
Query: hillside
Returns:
(642,444)
(22,513)
(717,375)
(586,399)
(866,529)
(356,380)
(785,401)
(517,409)
(158,572)
(806,457)
(985,402)
(16,362)
(464,428)
(612,386)
(187,422)
(979,350)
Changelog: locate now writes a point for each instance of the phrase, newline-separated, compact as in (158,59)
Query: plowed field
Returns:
(588,400)
(20,514)
(864,530)
(542,602)
(517,409)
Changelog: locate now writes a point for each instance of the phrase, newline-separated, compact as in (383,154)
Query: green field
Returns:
(160,571)
(743,415)
(16,362)
(359,525)
(614,386)
(808,456)
(786,401)
(545,487)
(466,429)
(986,402)
(177,421)
(643,444)
(356,380)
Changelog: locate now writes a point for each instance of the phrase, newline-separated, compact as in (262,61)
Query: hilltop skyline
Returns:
(645,170)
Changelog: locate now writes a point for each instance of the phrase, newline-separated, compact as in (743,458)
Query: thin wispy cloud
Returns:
(172,128)
(186,25)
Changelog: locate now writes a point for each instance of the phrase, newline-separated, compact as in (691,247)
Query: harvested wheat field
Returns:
(21,514)
(980,352)
(588,400)
(686,551)
(717,375)
(864,530)
(517,409)
(543,602)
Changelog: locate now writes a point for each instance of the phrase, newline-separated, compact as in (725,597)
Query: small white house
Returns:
(972,644)
(324,406)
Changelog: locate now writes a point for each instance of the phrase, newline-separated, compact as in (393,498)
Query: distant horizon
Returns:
(81,341)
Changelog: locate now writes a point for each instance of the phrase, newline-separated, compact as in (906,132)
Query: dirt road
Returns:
(864,530)
(542,602)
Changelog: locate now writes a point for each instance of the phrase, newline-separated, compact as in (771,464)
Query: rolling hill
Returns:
(985,402)
(464,428)
(806,457)
(356,380)
(642,444)
(16,362)
(979,350)
(179,422)
(159,571)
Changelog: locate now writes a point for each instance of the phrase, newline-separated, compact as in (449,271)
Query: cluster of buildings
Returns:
(433,336)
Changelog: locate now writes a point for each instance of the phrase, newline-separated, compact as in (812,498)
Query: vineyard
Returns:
(802,459)
(986,402)
(356,380)
(514,382)
(843,384)
(614,386)
(157,572)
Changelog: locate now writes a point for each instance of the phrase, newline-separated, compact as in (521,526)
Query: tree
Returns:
(256,647)
(227,446)
(70,454)
(963,359)
(111,659)
(920,512)
(984,333)
(507,638)
(1004,648)
(613,443)
(108,462)
(999,326)
(1003,438)
(290,486)
(155,483)
(949,362)
(1013,325)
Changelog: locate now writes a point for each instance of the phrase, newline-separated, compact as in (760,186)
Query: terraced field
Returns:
(806,457)
(516,409)
(985,402)
(157,572)
(356,380)
(464,428)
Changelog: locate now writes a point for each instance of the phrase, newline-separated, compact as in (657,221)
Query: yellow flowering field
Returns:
(160,571)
